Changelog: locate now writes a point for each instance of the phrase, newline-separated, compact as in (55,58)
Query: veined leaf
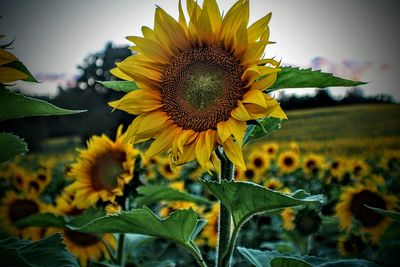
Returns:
(14,105)
(246,199)
(293,77)
(11,146)
(274,259)
(121,86)
(392,214)
(21,67)
(261,128)
(49,251)
(152,194)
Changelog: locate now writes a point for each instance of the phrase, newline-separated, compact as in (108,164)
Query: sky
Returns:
(355,39)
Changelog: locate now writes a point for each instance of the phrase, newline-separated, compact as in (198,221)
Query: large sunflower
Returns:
(102,170)
(200,82)
(352,206)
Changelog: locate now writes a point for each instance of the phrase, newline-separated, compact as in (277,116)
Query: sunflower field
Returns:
(211,171)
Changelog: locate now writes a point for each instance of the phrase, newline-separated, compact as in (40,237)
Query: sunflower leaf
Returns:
(152,194)
(261,128)
(42,220)
(293,77)
(120,86)
(246,199)
(275,259)
(14,105)
(11,146)
(49,251)
(392,214)
(180,227)
(18,65)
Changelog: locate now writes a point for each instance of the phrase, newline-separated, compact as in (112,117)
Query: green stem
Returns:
(120,252)
(225,217)
(231,248)
(197,254)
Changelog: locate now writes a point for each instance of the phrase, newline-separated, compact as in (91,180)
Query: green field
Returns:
(345,129)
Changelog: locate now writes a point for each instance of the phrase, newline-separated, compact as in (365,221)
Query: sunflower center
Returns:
(201,87)
(80,239)
(367,217)
(288,161)
(106,170)
(311,164)
(258,162)
(22,208)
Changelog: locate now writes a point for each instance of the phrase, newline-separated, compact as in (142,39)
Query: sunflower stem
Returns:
(120,252)
(225,217)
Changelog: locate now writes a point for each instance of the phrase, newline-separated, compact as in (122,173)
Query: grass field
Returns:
(357,129)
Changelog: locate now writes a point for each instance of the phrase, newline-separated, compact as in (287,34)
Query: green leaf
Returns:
(14,105)
(261,128)
(121,86)
(246,199)
(11,146)
(392,214)
(21,67)
(293,77)
(49,251)
(274,259)
(152,194)
(180,227)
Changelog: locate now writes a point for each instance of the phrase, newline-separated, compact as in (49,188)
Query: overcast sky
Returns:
(54,36)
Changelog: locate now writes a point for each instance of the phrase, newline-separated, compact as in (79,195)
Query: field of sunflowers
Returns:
(339,228)
(209,170)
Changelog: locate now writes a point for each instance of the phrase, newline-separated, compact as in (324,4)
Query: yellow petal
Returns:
(149,125)
(238,129)
(253,53)
(182,19)
(188,155)
(240,41)
(150,48)
(181,140)
(234,152)
(237,15)
(8,75)
(118,73)
(258,27)
(148,33)
(205,145)
(163,141)
(138,73)
(264,82)
(6,57)
(255,97)
(138,101)
(204,29)
(214,14)
(250,75)
(278,113)
(240,113)
(223,131)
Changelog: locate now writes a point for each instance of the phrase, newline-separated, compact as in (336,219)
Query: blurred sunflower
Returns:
(337,168)
(288,215)
(200,82)
(270,149)
(167,172)
(102,170)
(288,162)
(351,245)
(251,174)
(313,164)
(16,206)
(273,183)
(84,246)
(358,168)
(294,147)
(8,72)
(391,160)
(352,206)
(259,161)
(180,205)
(210,231)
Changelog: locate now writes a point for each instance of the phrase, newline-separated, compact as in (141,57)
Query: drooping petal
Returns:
(8,75)
(234,152)
(240,113)
(255,97)
(205,144)
(149,124)
(163,141)
(250,75)
(264,82)
(6,57)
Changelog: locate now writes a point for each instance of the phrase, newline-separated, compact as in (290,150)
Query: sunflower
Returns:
(288,162)
(352,206)
(16,206)
(358,168)
(259,161)
(210,231)
(313,164)
(294,147)
(307,221)
(288,216)
(167,172)
(250,174)
(200,82)
(270,149)
(179,205)
(351,245)
(337,168)
(18,177)
(102,170)
(8,73)
(273,183)
(84,246)
(391,160)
